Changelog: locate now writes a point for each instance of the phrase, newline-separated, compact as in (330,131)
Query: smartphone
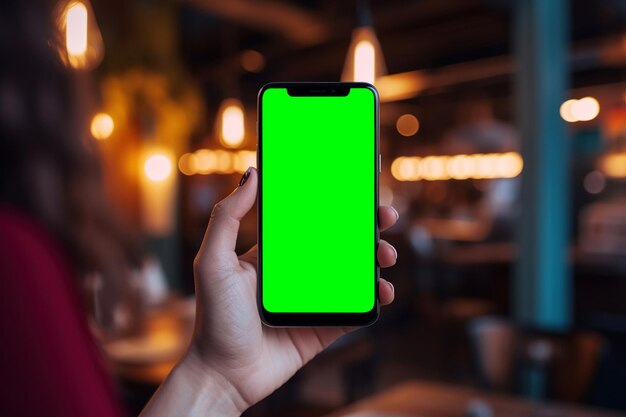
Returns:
(318,164)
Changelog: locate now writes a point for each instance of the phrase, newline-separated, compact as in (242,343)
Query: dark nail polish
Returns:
(245,176)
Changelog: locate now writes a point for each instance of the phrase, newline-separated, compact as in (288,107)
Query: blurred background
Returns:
(503,138)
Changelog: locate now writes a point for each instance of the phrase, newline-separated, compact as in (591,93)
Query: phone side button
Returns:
(380,164)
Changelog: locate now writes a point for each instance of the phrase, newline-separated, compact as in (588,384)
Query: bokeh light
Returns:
(252,61)
(407,125)
(594,182)
(102,126)
(457,167)
(232,127)
(566,111)
(188,164)
(585,109)
(581,110)
(364,62)
(76,30)
(157,167)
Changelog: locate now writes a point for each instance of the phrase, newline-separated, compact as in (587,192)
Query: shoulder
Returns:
(27,250)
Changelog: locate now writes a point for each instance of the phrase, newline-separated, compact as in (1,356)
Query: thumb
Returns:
(218,246)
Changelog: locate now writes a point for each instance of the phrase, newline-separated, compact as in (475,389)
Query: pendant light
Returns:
(231,129)
(230,126)
(80,43)
(365,61)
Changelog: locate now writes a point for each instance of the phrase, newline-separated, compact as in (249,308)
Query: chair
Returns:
(506,354)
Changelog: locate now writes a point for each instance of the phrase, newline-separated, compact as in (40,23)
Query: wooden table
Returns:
(421,399)
(149,356)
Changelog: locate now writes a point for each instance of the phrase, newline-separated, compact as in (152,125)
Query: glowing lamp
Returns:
(364,62)
(102,126)
(231,127)
(83,47)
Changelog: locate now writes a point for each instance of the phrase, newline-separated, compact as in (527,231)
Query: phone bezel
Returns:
(317,319)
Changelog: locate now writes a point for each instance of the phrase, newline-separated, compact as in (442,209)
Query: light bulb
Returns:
(157,167)
(585,109)
(83,47)
(364,62)
(76,29)
(102,126)
(231,129)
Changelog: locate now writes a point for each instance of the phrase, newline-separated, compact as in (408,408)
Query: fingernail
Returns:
(393,290)
(245,176)
(396,211)
(394,251)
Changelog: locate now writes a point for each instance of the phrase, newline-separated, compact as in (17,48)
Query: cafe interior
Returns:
(503,142)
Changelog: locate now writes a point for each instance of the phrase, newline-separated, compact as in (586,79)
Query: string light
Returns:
(458,167)
(581,110)
(585,109)
(566,111)
(188,164)
(208,161)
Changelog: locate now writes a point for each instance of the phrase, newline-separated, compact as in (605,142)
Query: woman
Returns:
(54,227)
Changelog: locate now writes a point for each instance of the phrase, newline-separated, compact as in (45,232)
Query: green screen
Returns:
(318,171)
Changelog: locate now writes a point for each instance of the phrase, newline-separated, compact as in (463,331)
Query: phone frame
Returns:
(319,89)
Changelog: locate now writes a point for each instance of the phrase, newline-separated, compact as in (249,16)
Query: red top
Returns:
(49,364)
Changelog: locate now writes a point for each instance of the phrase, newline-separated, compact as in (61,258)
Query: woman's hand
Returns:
(231,347)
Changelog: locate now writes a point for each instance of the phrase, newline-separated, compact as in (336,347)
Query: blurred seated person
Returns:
(473,210)
(55,229)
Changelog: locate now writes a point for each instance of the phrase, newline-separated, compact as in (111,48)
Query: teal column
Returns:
(542,285)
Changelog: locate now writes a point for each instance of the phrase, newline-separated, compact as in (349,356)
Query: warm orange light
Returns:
(614,165)
(509,165)
(102,126)
(585,109)
(252,61)
(188,164)
(231,123)
(364,61)
(566,111)
(581,110)
(224,161)
(244,159)
(400,86)
(458,167)
(434,168)
(407,125)
(157,188)
(76,29)
(206,161)
(157,167)
(83,47)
